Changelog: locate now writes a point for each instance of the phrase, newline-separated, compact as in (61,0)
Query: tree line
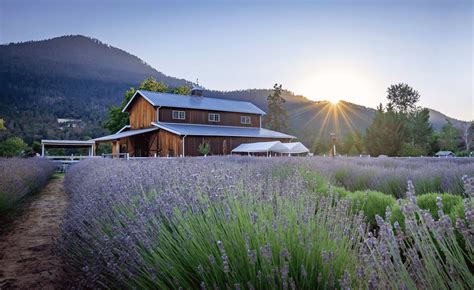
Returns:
(401,128)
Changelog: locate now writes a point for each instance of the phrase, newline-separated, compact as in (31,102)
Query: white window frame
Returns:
(247,120)
(178,115)
(214,117)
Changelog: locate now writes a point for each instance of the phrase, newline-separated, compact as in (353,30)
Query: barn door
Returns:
(141,145)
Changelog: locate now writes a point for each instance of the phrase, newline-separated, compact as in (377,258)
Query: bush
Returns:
(430,202)
(372,203)
(19,177)
(12,147)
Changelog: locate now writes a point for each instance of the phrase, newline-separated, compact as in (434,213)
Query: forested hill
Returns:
(77,77)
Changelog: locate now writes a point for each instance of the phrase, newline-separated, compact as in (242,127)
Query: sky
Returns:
(324,50)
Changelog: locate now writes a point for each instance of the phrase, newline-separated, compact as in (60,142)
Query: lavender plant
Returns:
(390,175)
(19,177)
(253,223)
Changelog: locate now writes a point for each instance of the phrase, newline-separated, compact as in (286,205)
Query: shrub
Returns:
(433,201)
(19,177)
(204,148)
(372,203)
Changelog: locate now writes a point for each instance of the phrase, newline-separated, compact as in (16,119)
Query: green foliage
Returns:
(420,130)
(402,98)
(183,90)
(2,125)
(448,138)
(204,148)
(386,134)
(104,148)
(116,119)
(408,149)
(150,84)
(371,203)
(277,117)
(12,147)
(36,147)
(429,202)
(231,242)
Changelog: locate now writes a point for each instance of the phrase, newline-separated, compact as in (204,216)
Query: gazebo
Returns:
(90,144)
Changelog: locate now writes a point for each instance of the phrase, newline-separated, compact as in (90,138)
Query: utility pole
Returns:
(333,141)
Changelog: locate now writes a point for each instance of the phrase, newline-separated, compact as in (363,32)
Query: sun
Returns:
(334,102)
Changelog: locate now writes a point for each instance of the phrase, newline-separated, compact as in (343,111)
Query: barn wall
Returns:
(142,113)
(169,144)
(220,145)
(201,117)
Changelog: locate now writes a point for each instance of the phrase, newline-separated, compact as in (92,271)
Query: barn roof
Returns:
(196,102)
(213,130)
(124,134)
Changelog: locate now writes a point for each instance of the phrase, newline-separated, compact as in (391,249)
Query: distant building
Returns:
(164,124)
(445,154)
(68,123)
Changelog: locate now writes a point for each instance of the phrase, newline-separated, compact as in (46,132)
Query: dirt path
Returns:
(27,260)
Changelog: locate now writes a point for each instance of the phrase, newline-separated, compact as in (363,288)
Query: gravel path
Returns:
(27,260)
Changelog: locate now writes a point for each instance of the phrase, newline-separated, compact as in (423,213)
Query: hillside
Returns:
(77,77)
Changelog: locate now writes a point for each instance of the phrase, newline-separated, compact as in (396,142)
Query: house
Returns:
(445,154)
(163,124)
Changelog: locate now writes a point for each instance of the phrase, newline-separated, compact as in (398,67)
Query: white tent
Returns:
(294,148)
(260,147)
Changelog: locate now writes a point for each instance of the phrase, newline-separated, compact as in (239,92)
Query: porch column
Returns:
(42,150)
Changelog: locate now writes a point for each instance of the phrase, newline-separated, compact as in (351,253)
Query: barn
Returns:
(171,125)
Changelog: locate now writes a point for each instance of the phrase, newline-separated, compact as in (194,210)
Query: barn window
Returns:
(179,115)
(245,120)
(212,117)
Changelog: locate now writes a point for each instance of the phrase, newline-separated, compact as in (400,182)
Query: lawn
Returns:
(266,223)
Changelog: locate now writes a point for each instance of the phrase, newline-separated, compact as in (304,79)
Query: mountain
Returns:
(78,78)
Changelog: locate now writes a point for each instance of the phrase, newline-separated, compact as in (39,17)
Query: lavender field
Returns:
(20,177)
(267,223)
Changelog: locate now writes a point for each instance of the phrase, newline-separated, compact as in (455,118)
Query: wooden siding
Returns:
(220,145)
(170,144)
(142,113)
(201,117)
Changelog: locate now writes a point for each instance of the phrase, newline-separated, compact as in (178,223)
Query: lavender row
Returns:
(248,223)
(19,177)
(390,175)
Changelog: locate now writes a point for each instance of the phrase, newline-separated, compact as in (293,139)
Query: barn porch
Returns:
(148,142)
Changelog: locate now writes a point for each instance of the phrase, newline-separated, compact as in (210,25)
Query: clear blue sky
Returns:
(351,50)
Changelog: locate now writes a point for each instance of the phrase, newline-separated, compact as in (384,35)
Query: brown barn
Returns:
(163,124)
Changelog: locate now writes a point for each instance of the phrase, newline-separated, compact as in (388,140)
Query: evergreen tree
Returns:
(449,137)
(386,134)
(277,117)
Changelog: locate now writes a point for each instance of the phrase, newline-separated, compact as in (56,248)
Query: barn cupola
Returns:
(197,90)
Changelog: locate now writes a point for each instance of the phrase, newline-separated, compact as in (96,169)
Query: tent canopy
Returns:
(259,147)
(294,148)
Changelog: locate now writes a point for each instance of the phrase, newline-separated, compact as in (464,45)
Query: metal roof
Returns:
(294,148)
(215,130)
(124,134)
(196,102)
(275,146)
(444,153)
(66,143)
